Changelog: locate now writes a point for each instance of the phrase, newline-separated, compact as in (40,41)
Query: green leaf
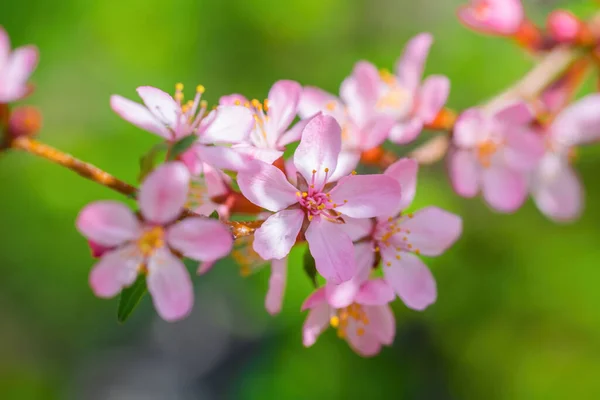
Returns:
(181,146)
(310,267)
(130,298)
(148,161)
(214,215)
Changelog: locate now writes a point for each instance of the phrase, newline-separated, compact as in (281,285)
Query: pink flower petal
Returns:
(499,17)
(375,292)
(221,157)
(346,163)
(138,115)
(316,322)
(366,196)
(108,223)
(164,193)
(205,266)
(358,228)
(226,124)
(409,67)
(275,238)
(375,132)
(233,100)
(284,98)
(382,323)
(360,91)
(432,230)
(469,127)
(170,285)
(504,189)
(265,155)
(15,73)
(319,149)
(200,239)
(518,113)
(404,171)
(579,123)
(315,100)
(277,281)
(161,104)
(332,250)
(524,149)
(266,186)
(315,299)
(115,270)
(410,278)
(366,345)
(98,250)
(432,97)
(294,134)
(4,47)
(464,173)
(407,131)
(560,196)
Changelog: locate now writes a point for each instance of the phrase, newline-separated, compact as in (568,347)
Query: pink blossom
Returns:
(314,205)
(364,320)
(402,96)
(363,128)
(555,186)
(494,153)
(401,238)
(495,17)
(172,120)
(271,131)
(15,69)
(146,245)
(563,26)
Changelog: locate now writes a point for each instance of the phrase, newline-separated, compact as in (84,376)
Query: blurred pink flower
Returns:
(402,96)
(314,205)
(399,240)
(563,26)
(364,320)
(554,184)
(172,120)
(495,17)
(147,246)
(494,153)
(363,128)
(271,134)
(15,69)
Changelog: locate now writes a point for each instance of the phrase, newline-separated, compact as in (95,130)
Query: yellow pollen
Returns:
(377,249)
(310,217)
(304,194)
(360,331)
(390,219)
(330,106)
(397,256)
(334,321)
(353,172)
(200,89)
(246,104)
(409,246)
(387,76)
(314,171)
(237,102)
(266,103)
(179,87)
(256,103)
(151,240)
(389,264)
(326,169)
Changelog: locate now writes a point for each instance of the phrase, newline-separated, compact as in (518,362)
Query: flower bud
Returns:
(494,17)
(563,26)
(24,121)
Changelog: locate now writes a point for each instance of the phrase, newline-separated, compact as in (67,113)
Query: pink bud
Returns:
(24,121)
(563,26)
(495,17)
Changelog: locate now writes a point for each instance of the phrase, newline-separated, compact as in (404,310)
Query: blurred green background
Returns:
(517,315)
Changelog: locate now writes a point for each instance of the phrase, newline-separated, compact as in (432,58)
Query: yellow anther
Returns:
(266,104)
(398,257)
(304,194)
(390,219)
(389,264)
(330,106)
(405,238)
(334,321)
(200,89)
(246,104)
(298,194)
(255,103)
(203,103)
(179,87)
(237,102)
(310,217)
(417,251)
(360,331)
(409,246)
(377,249)
(335,205)
(345,201)
(314,171)
(353,172)
(326,169)
(178,96)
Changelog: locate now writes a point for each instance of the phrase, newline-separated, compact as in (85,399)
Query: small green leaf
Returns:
(130,298)
(181,146)
(310,267)
(148,160)
(214,215)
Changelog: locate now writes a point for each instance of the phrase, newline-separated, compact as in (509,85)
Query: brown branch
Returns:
(238,228)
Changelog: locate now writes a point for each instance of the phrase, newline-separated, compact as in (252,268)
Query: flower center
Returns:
(485,150)
(151,241)
(391,234)
(351,317)
(316,202)
(190,113)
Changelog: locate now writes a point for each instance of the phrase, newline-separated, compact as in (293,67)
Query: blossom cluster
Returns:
(297,165)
